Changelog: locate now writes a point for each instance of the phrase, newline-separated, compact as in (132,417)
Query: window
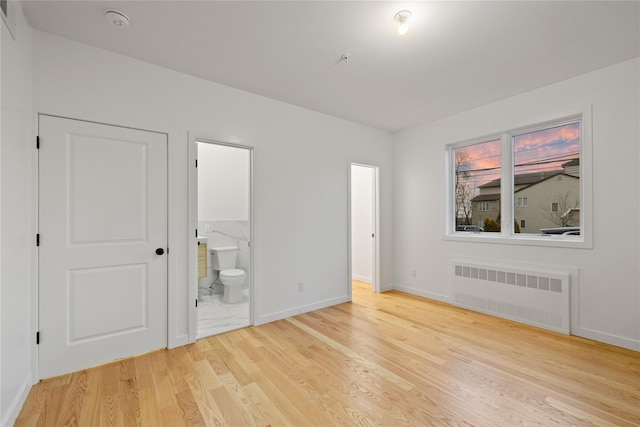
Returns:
(546,167)
(526,178)
(477,179)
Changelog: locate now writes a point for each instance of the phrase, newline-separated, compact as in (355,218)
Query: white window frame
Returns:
(523,202)
(482,205)
(557,207)
(507,234)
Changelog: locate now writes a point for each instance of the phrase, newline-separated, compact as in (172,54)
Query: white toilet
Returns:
(223,260)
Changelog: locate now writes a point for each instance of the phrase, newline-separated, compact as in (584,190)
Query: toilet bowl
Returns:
(232,279)
(223,260)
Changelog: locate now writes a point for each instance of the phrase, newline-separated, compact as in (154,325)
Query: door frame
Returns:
(376,226)
(35,269)
(192,223)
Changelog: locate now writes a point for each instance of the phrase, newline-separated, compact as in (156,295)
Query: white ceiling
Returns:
(457,55)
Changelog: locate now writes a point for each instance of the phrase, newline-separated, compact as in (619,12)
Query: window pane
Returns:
(547,180)
(477,187)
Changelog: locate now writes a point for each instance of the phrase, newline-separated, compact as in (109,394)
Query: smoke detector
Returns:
(117,19)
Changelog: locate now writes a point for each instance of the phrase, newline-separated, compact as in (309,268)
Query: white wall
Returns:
(301,166)
(606,301)
(16,148)
(362,223)
(223,183)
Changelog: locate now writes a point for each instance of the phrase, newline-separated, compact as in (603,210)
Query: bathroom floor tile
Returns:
(216,317)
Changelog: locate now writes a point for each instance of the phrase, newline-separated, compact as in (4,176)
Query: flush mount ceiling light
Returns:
(117,19)
(402,18)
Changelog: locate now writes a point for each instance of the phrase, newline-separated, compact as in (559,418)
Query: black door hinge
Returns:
(196,302)
(38,142)
(196,162)
(37,239)
(37,337)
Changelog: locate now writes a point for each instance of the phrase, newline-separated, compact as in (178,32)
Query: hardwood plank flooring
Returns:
(385,359)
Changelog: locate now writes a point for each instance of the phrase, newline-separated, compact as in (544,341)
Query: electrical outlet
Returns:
(301,287)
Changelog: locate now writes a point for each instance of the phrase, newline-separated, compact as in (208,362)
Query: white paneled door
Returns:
(102,243)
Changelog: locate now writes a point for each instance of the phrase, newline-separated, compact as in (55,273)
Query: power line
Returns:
(568,156)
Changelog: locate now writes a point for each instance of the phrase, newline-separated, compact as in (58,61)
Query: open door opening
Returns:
(220,253)
(364,223)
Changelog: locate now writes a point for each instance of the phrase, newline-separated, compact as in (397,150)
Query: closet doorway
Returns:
(364,225)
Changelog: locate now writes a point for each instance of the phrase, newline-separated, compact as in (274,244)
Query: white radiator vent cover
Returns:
(533,295)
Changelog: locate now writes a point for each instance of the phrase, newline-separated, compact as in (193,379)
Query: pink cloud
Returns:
(481,156)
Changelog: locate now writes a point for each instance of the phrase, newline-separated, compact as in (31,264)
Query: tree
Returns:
(565,206)
(491,225)
(464,190)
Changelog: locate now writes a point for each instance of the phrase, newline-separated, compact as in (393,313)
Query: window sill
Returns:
(554,241)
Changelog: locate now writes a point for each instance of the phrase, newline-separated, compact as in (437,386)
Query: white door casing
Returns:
(102,216)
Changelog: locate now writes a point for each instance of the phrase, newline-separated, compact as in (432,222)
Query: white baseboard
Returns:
(16,405)
(606,338)
(299,310)
(362,278)
(591,334)
(387,287)
(424,294)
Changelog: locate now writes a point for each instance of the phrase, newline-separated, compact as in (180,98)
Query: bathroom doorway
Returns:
(364,226)
(223,237)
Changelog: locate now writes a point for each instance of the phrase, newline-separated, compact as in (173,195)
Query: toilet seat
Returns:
(232,272)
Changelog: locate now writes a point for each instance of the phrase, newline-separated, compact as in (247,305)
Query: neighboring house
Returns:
(551,202)
(542,199)
(485,206)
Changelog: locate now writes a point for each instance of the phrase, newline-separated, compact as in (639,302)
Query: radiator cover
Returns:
(531,294)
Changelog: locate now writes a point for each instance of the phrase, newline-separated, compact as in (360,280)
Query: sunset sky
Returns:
(538,151)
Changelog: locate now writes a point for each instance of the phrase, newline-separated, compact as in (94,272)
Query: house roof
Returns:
(486,197)
(574,162)
(525,178)
(538,182)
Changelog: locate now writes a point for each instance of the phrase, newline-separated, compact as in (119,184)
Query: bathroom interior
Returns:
(224,231)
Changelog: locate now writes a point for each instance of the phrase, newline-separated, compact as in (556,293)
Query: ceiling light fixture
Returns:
(117,19)
(402,18)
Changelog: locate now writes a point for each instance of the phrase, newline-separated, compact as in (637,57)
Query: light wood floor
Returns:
(385,359)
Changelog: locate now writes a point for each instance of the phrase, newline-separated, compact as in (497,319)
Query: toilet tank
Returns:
(223,258)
